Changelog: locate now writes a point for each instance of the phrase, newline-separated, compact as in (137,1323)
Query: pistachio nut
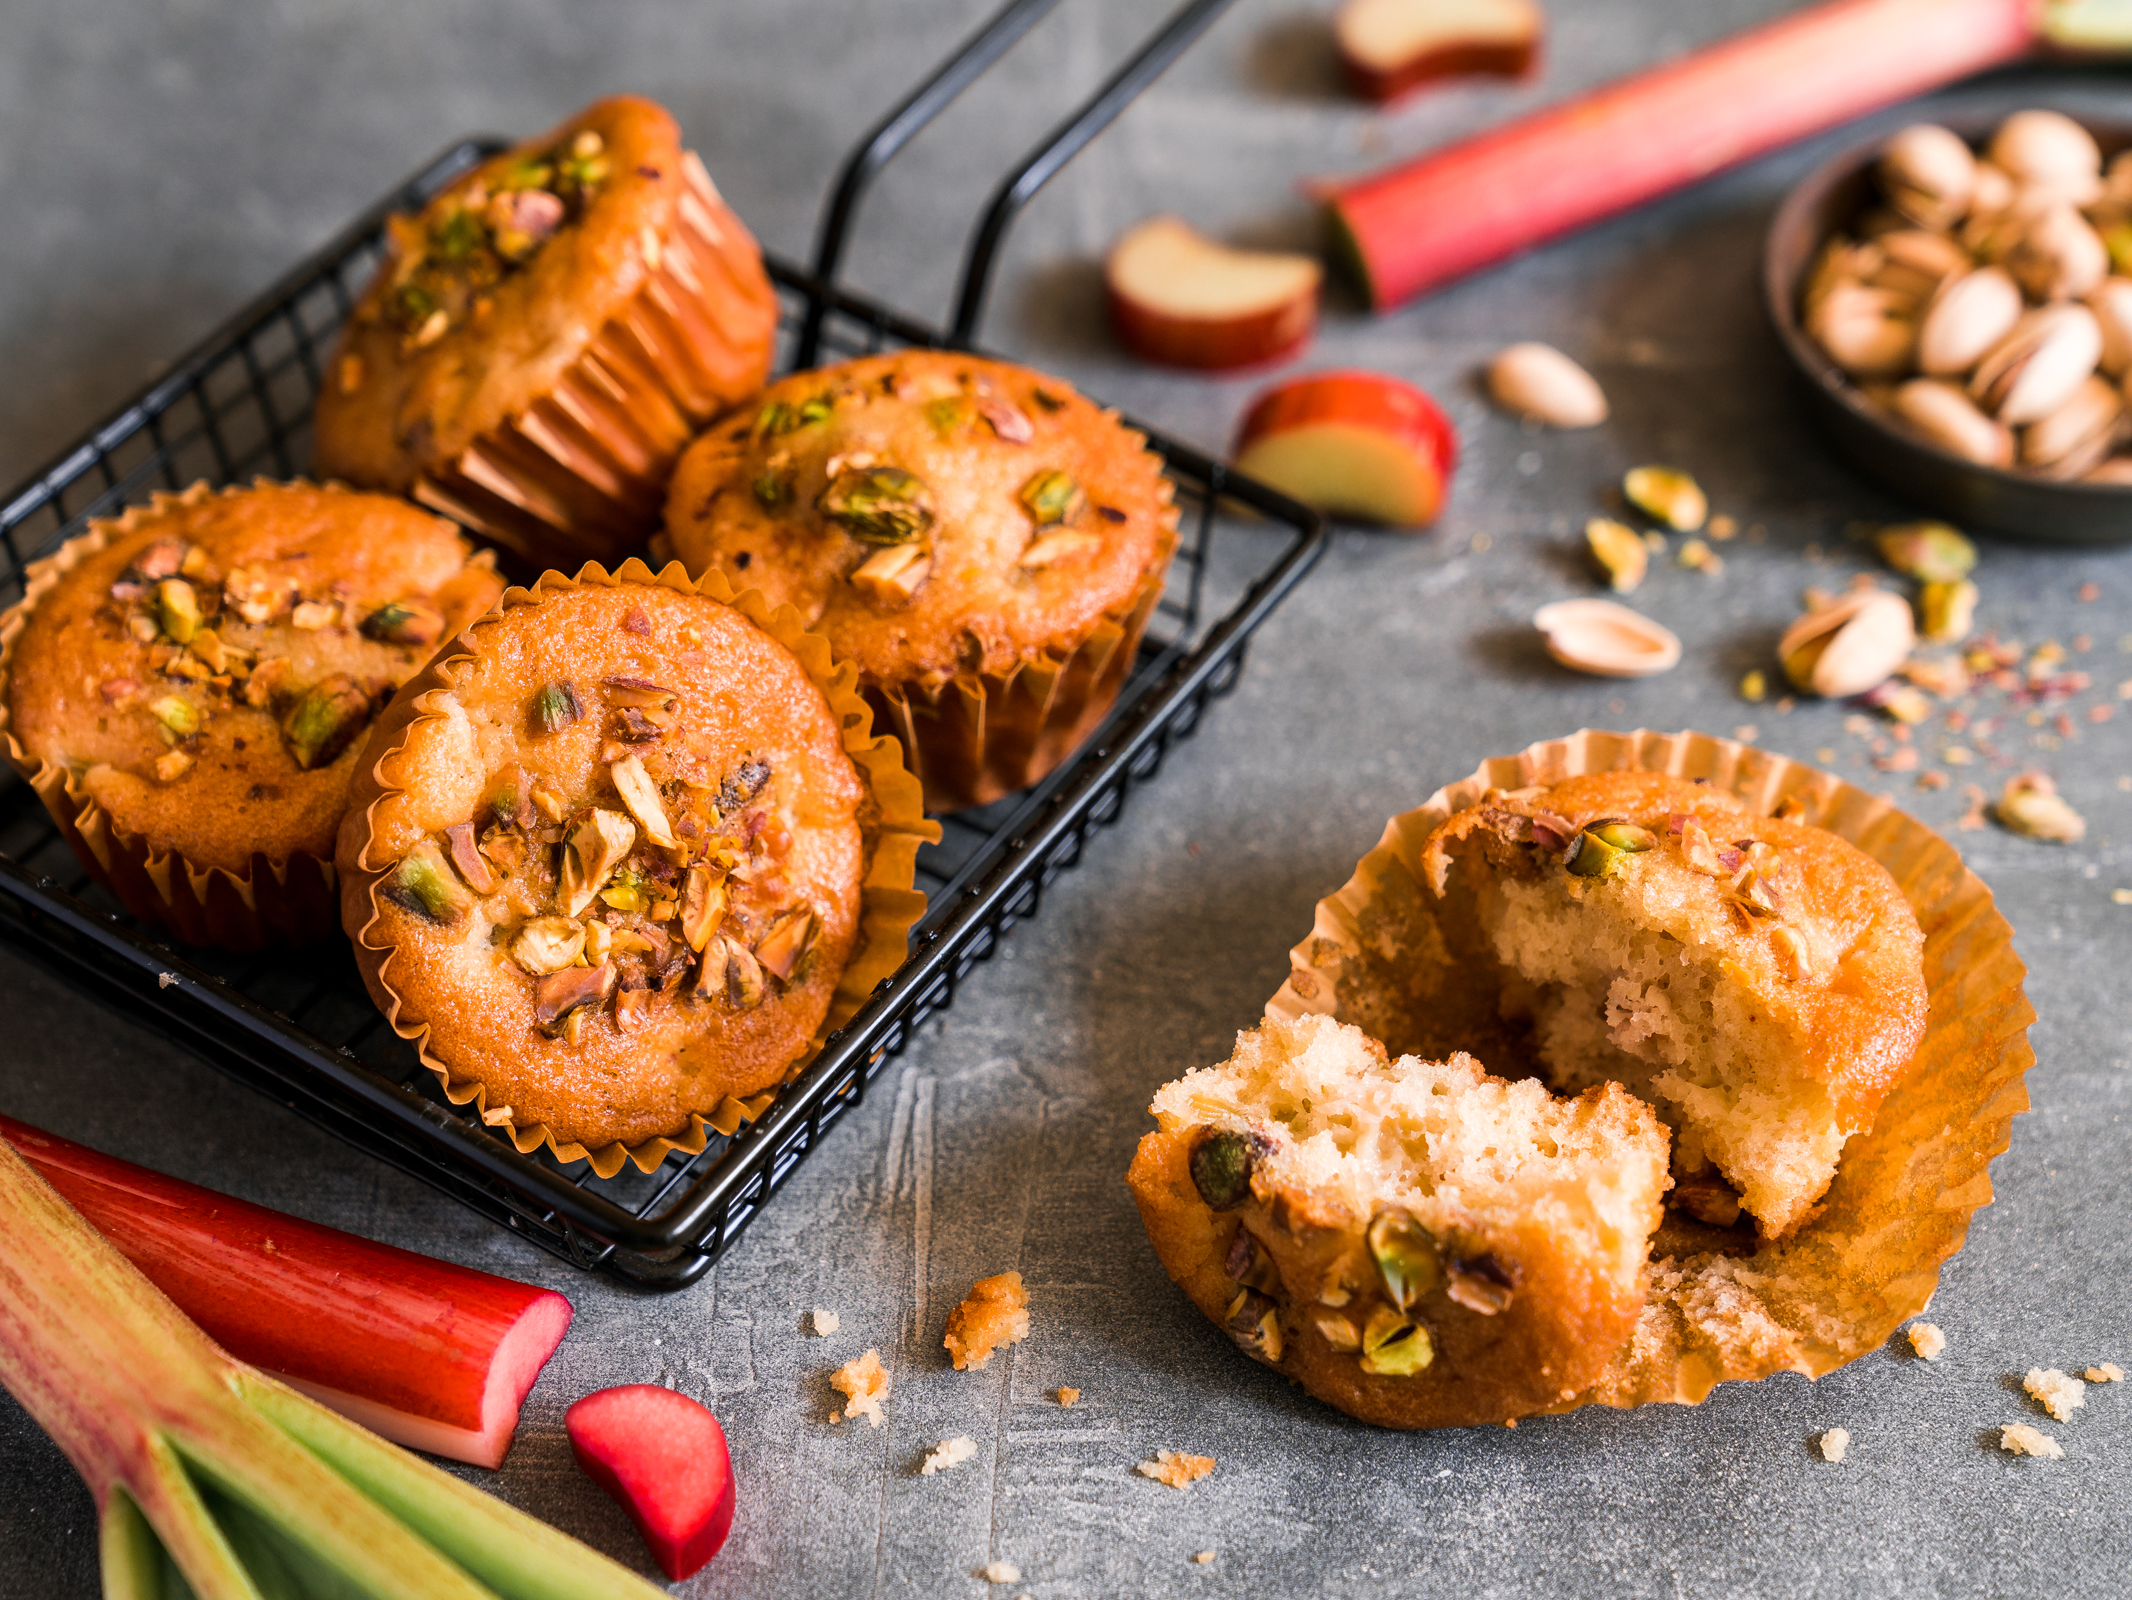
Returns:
(1484,1283)
(548,944)
(1849,646)
(1221,1163)
(2031,806)
(1841,261)
(1339,1332)
(2035,368)
(424,885)
(1606,639)
(1667,495)
(177,609)
(2050,152)
(325,720)
(1947,611)
(702,904)
(779,951)
(1249,1263)
(1060,544)
(893,573)
(1968,314)
(467,857)
(594,846)
(1051,497)
(1930,552)
(730,972)
(1619,549)
(1927,174)
(878,505)
(556,707)
(2058,256)
(560,995)
(1868,332)
(1707,1197)
(180,718)
(1946,417)
(641,795)
(1600,851)
(2112,304)
(1539,382)
(2078,434)
(1915,262)
(405,622)
(1253,1320)
(1393,1346)
(1406,1256)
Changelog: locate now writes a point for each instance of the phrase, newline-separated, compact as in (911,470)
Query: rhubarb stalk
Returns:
(428,1354)
(207,1470)
(1422,224)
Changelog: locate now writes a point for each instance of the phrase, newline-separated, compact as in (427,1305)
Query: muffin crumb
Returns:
(2018,1438)
(864,1382)
(1927,1340)
(1834,1443)
(1175,1469)
(2108,1372)
(1068,1395)
(995,1313)
(1204,1558)
(826,1323)
(2055,1391)
(1000,1572)
(948,1453)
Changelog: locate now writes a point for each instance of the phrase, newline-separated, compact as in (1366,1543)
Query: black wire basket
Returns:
(300,1027)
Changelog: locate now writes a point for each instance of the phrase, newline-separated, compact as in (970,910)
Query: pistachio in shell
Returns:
(1668,495)
(2031,806)
(1869,332)
(2049,152)
(1540,383)
(1406,1256)
(1395,1346)
(2035,369)
(1850,646)
(1968,314)
(878,505)
(1221,1163)
(1931,552)
(1946,417)
(1927,173)
(325,720)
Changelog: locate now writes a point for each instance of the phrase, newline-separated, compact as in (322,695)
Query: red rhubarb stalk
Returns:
(428,1354)
(663,1457)
(1422,224)
(212,1479)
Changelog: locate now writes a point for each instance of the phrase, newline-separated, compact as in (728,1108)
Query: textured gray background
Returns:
(159,165)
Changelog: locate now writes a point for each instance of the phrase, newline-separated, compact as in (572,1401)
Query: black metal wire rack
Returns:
(299,1027)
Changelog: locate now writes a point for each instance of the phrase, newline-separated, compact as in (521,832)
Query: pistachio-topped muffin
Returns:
(613,856)
(185,685)
(980,540)
(546,335)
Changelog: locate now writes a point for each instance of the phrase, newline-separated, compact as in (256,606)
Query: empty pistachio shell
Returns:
(1540,382)
(1618,549)
(1668,495)
(2058,256)
(2035,368)
(2049,150)
(2078,434)
(1868,332)
(1393,1346)
(1606,639)
(2112,304)
(1947,611)
(1849,646)
(2031,805)
(1406,1257)
(1931,552)
(1966,316)
(1927,174)
(1221,1166)
(1948,418)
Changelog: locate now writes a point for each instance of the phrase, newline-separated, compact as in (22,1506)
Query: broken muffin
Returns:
(1416,1242)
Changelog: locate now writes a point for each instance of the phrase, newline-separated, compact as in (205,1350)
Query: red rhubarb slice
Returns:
(428,1354)
(663,1458)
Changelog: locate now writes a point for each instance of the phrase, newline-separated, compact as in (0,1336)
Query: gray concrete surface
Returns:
(157,165)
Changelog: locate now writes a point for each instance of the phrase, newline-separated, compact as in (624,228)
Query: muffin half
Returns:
(982,542)
(622,858)
(186,685)
(547,334)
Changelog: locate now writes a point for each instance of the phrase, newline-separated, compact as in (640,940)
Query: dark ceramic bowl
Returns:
(2010,503)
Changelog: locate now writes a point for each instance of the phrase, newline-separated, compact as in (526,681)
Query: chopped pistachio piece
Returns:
(1248,1263)
(743,785)
(1406,1256)
(313,615)
(1062,544)
(1339,1332)
(556,706)
(466,856)
(177,608)
(771,490)
(1600,852)
(178,715)
(1930,552)
(548,944)
(560,995)
(1052,497)
(1667,495)
(702,904)
(729,972)
(595,845)
(780,949)
(424,884)
(1221,1165)
(893,574)
(1624,836)
(1254,1322)
(641,795)
(325,720)
(878,505)
(1619,550)
(405,622)
(1947,611)
(1754,685)
(1393,1346)
(1482,1283)
(172,765)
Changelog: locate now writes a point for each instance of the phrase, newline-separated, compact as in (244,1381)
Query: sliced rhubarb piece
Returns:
(425,1353)
(663,1458)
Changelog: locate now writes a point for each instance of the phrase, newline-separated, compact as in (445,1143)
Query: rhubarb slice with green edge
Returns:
(213,1479)
(663,1458)
(430,1355)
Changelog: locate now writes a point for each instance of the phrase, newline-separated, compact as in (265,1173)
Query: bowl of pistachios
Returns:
(1958,300)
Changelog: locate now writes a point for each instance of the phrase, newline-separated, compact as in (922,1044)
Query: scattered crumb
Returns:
(2022,1440)
(1068,1395)
(1723,527)
(2108,1372)
(1927,1340)
(1834,1443)
(1204,1558)
(1174,1469)
(1747,733)
(996,1313)
(2121,897)
(2057,1393)
(826,1323)
(950,1453)
(1000,1572)
(863,1381)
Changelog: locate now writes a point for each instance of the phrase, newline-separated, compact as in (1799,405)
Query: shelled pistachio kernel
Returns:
(1220,1164)
(423,884)
(325,720)
(1052,497)
(1406,1256)
(1253,1320)
(180,718)
(556,707)
(1394,1346)
(878,505)
(1931,552)
(1668,495)
(1602,850)
(1619,550)
(177,609)
(1947,611)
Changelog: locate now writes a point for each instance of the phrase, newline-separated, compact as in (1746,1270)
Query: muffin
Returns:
(982,542)
(543,339)
(622,856)
(1416,1242)
(186,685)
(1760,982)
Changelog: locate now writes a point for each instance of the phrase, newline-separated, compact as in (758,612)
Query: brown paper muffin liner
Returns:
(581,475)
(978,736)
(1840,1285)
(272,901)
(888,904)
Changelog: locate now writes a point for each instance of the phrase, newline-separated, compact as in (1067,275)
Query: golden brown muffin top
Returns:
(927,511)
(208,672)
(496,287)
(624,848)
(1813,924)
